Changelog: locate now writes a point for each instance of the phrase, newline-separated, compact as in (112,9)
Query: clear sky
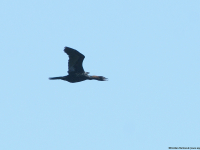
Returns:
(148,49)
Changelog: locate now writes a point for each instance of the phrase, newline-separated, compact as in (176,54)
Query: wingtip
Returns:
(69,50)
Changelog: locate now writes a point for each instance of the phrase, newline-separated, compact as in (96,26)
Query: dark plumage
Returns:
(75,68)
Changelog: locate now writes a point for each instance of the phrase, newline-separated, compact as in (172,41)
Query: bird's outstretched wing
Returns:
(75,60)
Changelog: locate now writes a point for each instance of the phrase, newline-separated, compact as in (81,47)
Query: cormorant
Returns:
(75,68)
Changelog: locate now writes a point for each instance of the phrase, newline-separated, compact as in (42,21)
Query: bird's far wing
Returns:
(75,60)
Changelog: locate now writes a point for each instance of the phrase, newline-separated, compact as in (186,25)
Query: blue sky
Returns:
(149,50)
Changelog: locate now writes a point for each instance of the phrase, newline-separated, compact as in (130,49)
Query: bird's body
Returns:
(72,78)
(75,68)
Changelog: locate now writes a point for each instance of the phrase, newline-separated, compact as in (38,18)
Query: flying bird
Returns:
(76,72)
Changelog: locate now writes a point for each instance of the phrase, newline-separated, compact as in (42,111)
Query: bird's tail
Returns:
(99,78)
(55,78)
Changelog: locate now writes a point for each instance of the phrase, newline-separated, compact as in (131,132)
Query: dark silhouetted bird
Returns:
(75,68)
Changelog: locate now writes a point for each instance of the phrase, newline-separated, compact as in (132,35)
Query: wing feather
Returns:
(75,60)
